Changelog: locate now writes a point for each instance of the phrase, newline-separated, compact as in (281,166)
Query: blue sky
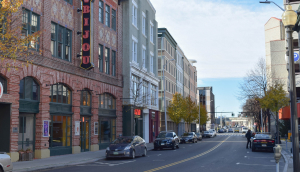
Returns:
(226,37)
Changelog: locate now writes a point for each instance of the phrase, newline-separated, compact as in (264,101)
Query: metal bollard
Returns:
(277,155)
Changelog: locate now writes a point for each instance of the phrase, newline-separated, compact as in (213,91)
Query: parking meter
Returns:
(277,152)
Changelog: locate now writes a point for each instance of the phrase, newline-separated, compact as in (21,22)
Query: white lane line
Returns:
(255,164)
(158,154)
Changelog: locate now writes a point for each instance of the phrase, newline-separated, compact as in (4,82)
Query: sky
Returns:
(226,37)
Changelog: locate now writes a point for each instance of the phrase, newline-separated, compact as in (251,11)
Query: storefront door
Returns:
(85,135)
(26,132)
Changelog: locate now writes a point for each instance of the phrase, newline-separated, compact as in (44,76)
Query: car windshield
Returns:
(122,140)
(163,135)
(245,128)
(263,136)
(210,132)
(187,134)
(198,134)
(205,131)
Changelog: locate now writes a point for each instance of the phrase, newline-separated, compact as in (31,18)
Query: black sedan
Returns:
(221,131)
(127,146)
(188,137)
(166,140)
(262,142)
(199,136)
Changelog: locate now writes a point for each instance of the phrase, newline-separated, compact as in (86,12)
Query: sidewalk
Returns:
(62,160)
(287,155)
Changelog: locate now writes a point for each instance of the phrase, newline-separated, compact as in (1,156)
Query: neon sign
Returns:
(86,35)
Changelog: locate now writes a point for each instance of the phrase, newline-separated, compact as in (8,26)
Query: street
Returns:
(225,152)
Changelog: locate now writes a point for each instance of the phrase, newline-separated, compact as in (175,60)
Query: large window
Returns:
(29,89)
(60,131)
(107,130)
(134,51)
(144,56)
(100,62)
(114,20)
(4,83)
(113,56)
(153,95)
(145,91)
(85,98)
(30,25)
(106,101)
(107,66)
(60,94)
(144,24)
(61,42)
(151,32)
(151,63)
(107,15)
(135,81)
(134,15)
(100,11)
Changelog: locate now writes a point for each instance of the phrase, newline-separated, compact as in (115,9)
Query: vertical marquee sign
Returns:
(86,35)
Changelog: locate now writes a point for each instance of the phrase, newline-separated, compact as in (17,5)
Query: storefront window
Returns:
(85,98)
(106,101)
(60,131)
(26,135)
(29,89)
(107,130)
(60,94)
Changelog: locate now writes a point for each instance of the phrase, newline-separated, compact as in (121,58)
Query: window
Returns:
(61,42)
(4,83)
(151,63)
(113,56)
(134,51)
(107,128)
(114,20)
(153,95)
(145,91)
(69,1)
(151,32)
(107,60)
(29,89)
(106,101)
(107,17)
(30,25)
(100,11)
(85,98)
(135,81)
(100,62)
(144,24)
(60,131)
(144,56)
(60,94)
(134,15)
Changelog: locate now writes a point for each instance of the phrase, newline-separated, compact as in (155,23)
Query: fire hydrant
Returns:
(277,155)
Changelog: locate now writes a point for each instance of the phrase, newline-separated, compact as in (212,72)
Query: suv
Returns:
(167,139)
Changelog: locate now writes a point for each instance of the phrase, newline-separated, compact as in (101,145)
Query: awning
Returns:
(285,113)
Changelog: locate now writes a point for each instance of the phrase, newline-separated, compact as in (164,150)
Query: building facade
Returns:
(54,106)
(140,96)
(207,98)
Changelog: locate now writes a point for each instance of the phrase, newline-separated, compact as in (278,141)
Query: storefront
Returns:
(85,120)
(60,140)
(154,127)
(107,120)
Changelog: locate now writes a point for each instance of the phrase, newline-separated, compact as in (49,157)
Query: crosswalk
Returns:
(230,134)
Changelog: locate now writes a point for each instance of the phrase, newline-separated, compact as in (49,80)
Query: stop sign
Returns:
(1,89)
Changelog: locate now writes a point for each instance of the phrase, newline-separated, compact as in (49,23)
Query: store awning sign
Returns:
(86,35)
(137,113)
(1,89)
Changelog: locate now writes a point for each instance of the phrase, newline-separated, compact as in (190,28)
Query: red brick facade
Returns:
(47,70)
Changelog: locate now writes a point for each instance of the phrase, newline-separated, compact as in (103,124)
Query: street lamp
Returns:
(165,93)
(289,18)
(268,2)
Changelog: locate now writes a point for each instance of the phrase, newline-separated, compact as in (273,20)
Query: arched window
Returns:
(29,89)
(106,101)
(85,98)
(4,83)
(59,93)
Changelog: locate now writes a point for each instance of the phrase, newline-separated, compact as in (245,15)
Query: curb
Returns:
(286,161)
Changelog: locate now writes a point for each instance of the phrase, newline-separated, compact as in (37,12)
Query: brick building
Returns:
(53,106)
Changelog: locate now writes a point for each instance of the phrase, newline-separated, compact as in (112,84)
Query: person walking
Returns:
(248,136)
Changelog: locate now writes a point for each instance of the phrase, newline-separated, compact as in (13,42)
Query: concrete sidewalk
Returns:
(62,160)
(287,155)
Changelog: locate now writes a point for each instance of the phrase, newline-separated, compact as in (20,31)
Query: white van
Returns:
(244,130)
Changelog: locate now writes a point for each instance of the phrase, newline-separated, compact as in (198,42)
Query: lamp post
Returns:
(165,108)
(289,18)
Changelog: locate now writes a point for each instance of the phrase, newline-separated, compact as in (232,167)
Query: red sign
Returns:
(86,35)
(137,112)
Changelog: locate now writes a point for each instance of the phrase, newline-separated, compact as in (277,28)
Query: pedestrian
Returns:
(248,136)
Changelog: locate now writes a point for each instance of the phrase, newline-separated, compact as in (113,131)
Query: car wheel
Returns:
(174,147)
(133,154)
(178,146)
(145,152)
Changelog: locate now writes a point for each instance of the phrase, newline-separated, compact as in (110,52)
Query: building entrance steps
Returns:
(62,160)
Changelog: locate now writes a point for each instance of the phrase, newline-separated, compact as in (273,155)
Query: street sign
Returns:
(296,56)
(1,89)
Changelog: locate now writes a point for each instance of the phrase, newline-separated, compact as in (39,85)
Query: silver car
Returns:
(5,162)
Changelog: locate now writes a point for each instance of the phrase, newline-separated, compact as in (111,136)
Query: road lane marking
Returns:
(188,159)
(256,164)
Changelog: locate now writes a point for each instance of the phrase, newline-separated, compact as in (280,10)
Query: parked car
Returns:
(209,134)
(244,130)
(262,142)
(166,140)
(188,137)
(236,130)
(230,130)
(127,146)
(5,162)
(221,131)
(214,131)
(199,136)
(205,134)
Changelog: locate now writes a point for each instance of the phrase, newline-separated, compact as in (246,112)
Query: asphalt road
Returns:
(225,152)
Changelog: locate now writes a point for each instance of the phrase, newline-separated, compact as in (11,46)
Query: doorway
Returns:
(5,127)
(85,135)
(26,138)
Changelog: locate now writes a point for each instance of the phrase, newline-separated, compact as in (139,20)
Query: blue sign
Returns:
(296,57)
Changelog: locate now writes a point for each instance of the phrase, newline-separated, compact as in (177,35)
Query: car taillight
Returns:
(255,141)
(271,141)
